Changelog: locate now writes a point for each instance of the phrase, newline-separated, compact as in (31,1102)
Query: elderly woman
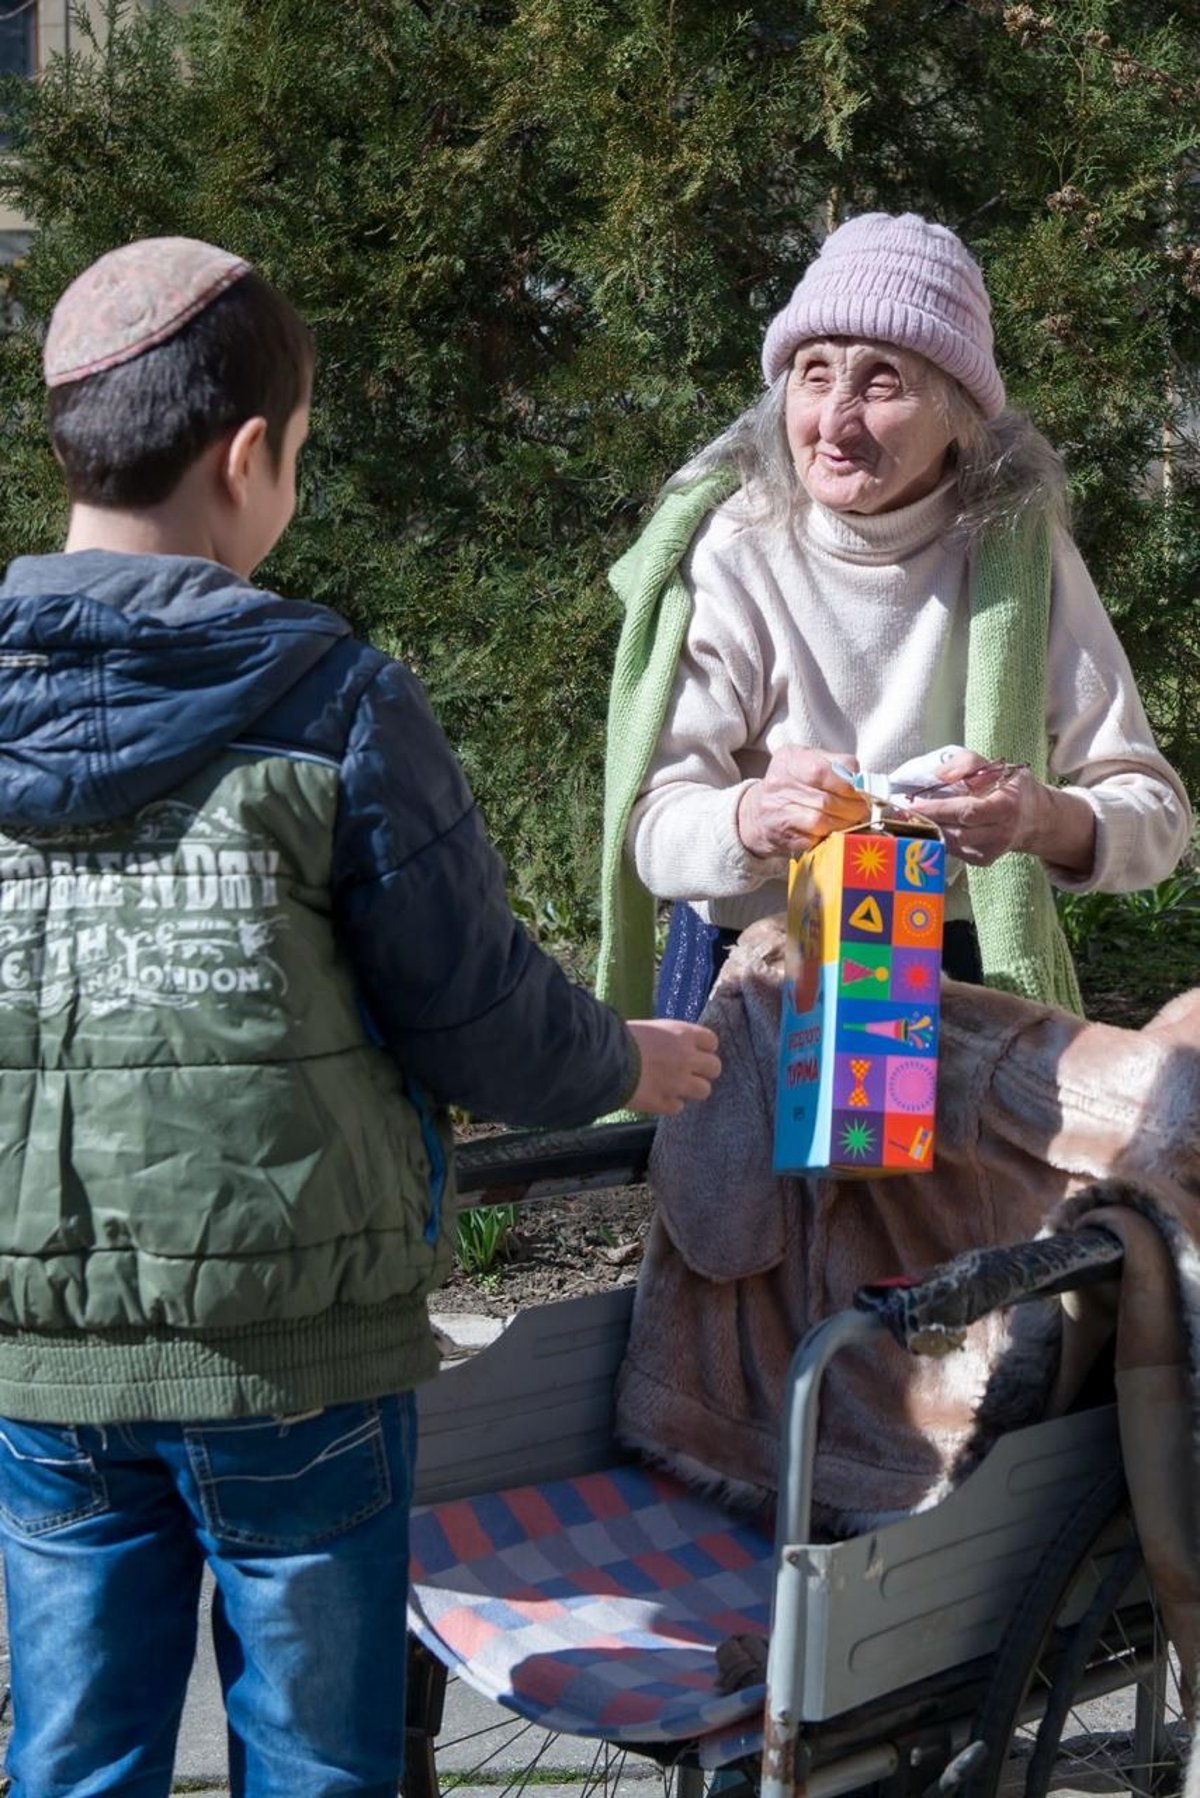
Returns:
(870,564)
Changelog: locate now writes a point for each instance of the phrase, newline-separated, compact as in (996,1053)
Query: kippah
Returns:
(131,300)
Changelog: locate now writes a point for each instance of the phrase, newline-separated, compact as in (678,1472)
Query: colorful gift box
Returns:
(859,1038)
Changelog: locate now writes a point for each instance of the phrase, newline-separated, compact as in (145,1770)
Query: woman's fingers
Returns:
(979,831)
(780,821)
(962,766)
(802,798)
(813,769)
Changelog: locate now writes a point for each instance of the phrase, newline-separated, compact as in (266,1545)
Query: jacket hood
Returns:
(122,675)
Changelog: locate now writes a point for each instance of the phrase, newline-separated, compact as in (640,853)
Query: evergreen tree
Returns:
(539,242)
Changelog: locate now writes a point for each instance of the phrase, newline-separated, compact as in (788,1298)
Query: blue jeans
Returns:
(304,1522)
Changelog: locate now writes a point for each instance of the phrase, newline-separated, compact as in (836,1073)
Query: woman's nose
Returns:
(839,416)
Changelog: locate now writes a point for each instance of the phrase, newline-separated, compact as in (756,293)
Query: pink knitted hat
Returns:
(898,280)
(130,301)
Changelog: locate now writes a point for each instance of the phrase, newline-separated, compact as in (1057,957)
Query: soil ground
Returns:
(557,1250)
(560,1248)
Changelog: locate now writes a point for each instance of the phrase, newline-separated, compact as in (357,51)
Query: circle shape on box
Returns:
(917,919)
(912,1085)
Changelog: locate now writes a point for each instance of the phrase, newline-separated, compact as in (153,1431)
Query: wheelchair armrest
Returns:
(546,1164)
(930,1316)
(927,1316)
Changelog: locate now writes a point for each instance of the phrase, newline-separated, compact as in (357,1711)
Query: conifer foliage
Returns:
(539,242)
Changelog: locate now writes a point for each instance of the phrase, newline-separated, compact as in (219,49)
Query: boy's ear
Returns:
(237,458)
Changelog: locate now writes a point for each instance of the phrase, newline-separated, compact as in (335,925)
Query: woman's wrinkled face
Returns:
(864,425)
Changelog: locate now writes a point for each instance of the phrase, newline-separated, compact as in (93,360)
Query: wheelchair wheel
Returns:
(1085,1693)
(459,1742)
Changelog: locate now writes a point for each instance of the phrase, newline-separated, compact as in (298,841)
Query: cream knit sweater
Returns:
(849,633)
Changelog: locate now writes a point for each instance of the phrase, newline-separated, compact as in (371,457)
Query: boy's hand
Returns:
(679,1062)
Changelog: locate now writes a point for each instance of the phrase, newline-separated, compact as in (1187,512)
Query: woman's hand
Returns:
(679,1064)
(1018,812)
(798,801)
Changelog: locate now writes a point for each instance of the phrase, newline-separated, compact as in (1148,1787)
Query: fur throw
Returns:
(1043,1120)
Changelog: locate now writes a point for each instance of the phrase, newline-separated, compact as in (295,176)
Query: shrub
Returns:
(538,242)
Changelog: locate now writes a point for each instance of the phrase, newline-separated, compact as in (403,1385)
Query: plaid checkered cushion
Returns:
(595,1605)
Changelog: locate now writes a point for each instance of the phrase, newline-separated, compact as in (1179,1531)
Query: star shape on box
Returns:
(858,1139)
(868,859)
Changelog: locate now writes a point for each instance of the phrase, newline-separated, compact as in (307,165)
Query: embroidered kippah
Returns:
(131,300)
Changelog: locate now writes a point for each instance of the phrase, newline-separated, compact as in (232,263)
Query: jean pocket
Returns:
(287,1484)
(47,1481)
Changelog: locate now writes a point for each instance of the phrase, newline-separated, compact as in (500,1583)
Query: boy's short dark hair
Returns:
(127,436)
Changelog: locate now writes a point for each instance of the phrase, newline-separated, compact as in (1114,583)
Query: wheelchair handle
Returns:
(930,1316)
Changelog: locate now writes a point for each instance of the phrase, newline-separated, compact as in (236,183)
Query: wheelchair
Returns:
(1005,1640)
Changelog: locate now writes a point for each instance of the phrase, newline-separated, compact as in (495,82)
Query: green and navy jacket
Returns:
(253,941)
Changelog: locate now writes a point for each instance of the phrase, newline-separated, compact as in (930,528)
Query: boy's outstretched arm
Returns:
(679,1063)
(463,999)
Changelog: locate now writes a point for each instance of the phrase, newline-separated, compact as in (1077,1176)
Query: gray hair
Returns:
(1006,470)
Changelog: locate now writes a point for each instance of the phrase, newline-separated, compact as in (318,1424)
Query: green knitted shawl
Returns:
(1022,944)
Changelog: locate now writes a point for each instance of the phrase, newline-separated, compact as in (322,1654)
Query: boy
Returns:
(253,938)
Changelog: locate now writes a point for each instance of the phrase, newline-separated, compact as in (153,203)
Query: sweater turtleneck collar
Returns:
(881,536)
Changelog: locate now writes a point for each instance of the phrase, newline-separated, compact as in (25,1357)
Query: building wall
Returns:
(55,31)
